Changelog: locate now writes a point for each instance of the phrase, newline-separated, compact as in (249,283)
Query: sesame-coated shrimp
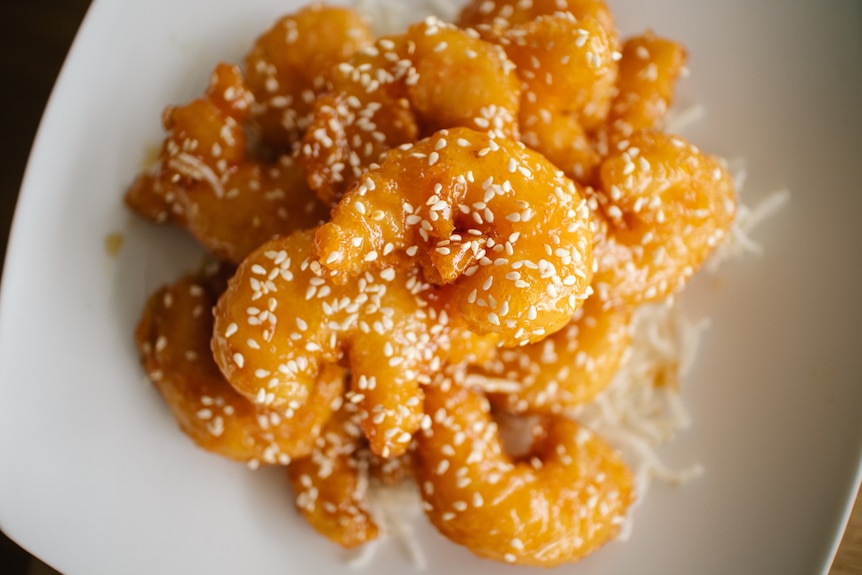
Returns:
(290,65)
(204,136)
(492,17)
(568,69)
(173,337)
(560,503)
(567,368)
(663,205)
(207,183)
(648,72)
(330,484)
(405,87)
(282,320)
(497,221)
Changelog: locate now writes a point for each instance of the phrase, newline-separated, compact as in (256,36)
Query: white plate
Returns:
(95,478)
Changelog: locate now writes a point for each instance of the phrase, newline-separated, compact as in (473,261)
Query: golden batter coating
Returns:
(561,502)
(207,183)
(283,319)
(493,17)
(173,338)
(290,65)
(404,87)
(152,198)
(497,221)
(203,135)
(564,370)
(568,70)
(568,67)
(662,207)
(649,69)
(330,484)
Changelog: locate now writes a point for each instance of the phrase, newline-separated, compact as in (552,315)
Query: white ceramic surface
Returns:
(95,477)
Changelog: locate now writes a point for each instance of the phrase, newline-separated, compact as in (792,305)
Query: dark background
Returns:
(36,36)
(34,41)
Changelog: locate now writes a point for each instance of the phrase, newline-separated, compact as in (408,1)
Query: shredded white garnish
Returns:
(739,242)
(365,554)
(446,10)
(642,409)
(195,168)
(394,509)
(492,384)
(386,17)
(679,119)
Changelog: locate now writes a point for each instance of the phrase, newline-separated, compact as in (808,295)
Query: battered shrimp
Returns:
(153,198)
(290,65)
(204,135)
(562,502)
(649,69)
(404,87)
(662,207)
(568,69)
(206,182)
(566,369)
(497,221)
(330,485)
(493,17)
(173,337)
(282,320)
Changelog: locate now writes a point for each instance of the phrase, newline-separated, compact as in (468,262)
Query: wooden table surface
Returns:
(848,560)
(34,43)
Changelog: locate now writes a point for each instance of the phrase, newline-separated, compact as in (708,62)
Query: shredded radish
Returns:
(193,167)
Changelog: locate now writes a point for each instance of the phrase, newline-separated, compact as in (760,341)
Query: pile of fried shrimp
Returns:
(415,239)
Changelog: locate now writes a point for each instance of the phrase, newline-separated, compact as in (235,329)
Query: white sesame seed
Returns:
(232,328)
(239,360)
